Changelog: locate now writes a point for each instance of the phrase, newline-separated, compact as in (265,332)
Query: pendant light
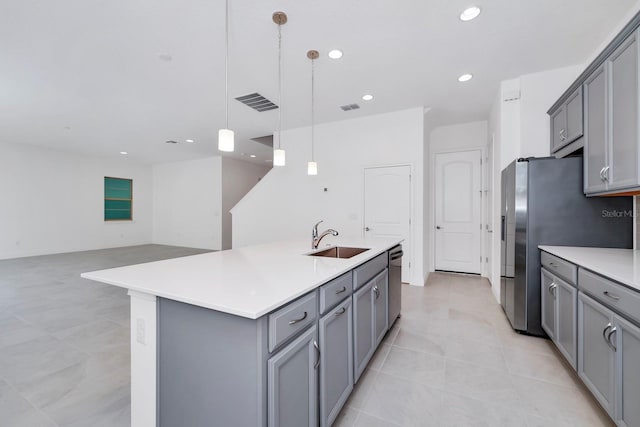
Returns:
(280,18)
(312,166)
(226,135)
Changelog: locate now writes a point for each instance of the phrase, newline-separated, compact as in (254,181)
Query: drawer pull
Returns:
(613,330)
(341,311)
(294,321)
(612,296)
(315,345)
(339,291)
(377,292)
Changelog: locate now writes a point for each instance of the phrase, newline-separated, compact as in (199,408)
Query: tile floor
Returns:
(451,360)
(64,340)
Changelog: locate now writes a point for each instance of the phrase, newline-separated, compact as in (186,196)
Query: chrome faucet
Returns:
(315,238)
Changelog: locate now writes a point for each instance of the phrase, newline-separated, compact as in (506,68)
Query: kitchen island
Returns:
(236,337)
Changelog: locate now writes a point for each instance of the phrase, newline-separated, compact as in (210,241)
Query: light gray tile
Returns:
(15,411)
(366,420)
(15,331)
(426,343)
(480,383)
(412,365)
(347,417)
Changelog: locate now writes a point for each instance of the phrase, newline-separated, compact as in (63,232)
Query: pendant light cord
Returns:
(279,84)
(226,63)
(312,106)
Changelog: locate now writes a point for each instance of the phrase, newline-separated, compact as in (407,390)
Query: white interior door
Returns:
(458,216)
(387,208)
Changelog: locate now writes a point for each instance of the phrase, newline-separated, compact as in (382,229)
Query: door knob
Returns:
(437,227)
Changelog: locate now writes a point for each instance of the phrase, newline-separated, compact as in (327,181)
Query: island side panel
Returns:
(211,367)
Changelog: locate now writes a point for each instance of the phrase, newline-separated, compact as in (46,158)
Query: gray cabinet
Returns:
(336,362)
(623,144)
(548,301)
(611,102)
(559,313)
(627,339)
(370,311)
(595,145)
(596,357)
(566,121)
(293,383)
(363,333)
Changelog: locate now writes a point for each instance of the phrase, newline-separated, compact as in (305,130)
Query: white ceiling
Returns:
(87,75)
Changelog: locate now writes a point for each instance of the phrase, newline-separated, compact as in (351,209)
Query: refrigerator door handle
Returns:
(503,227)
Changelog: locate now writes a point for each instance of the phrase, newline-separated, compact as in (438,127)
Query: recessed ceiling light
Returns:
(123,152)
(335,54)
(367,97)
(465,78)
(470,13)
(189,140)
(253,156)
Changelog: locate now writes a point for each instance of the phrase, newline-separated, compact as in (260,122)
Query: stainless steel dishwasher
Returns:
(395,283)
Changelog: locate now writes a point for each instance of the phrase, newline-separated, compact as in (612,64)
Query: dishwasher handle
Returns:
(396,255)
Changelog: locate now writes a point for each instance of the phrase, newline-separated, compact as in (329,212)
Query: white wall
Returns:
(287,202)
(187,203)
(426,202)
(238,178)
(460,137)
(53,202)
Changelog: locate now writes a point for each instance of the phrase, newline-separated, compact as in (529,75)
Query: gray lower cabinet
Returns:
(595,145)
(596,356)
(548,301)
(627,339)
(370,312)
(293,383)
(336,361)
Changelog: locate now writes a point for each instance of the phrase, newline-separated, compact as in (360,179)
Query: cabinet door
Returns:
(566,317)
(336,361)
(293,383)
(627,338)
(363,321)
(574,116)
(558,129)
(548,301)
(381,305)
(595,354)
(623,132)
(595,143)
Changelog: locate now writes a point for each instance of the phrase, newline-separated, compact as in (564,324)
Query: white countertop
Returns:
(248,282)
(621,265)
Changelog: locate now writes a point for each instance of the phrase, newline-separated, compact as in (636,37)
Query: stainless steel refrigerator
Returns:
(543,203)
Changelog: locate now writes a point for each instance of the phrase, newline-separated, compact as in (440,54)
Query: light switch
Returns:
(141,333)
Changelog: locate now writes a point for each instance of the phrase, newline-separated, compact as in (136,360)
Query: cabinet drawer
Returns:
(369,270)
(560,267)
(335,291)
(612,294)
(291,319)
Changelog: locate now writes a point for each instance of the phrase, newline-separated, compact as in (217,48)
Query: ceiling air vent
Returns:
(349,107)
(257,102)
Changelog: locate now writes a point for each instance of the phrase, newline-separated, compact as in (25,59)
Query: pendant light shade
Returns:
(226,136)
(225,140)
(280,18)
(312,168)
(278,157)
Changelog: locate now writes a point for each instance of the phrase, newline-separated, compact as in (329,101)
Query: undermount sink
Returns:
(339,252)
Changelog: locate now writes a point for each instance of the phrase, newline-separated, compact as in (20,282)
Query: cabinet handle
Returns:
(610,295)
(604,333)
(377,292)
(563,137)
(341,311)
(613,330)
(552,289)
(294,321)
(315,345)
(339,291)
(605,173)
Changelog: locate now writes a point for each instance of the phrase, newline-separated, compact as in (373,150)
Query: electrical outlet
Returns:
(141,333)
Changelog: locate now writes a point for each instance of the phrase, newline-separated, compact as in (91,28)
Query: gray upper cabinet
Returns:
(293,383)
(595,145)
(622,169)
(596,357)
(611,119)
(336,362)
(566,121)
(628,375)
